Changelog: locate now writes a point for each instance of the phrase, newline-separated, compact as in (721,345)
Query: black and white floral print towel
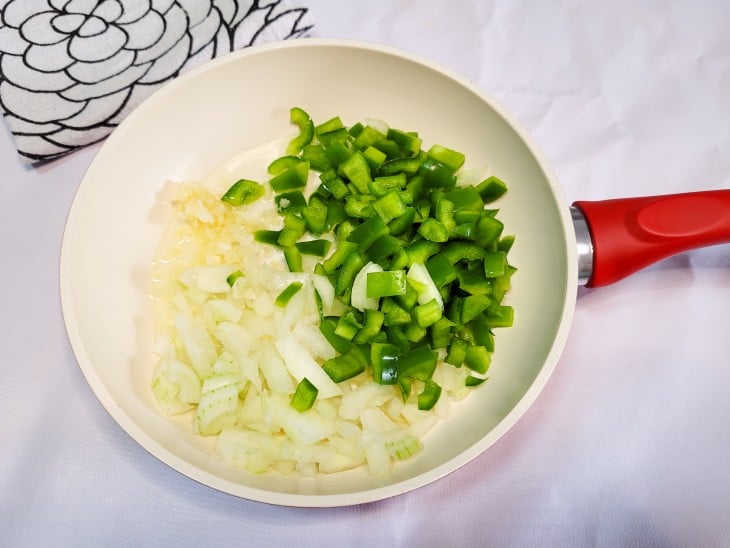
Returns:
(71,70)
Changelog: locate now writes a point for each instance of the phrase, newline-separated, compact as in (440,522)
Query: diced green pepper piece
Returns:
(465,198)
(290,202)
(342,368)
(372,323)
(294,228)
(473,306)
(283,298)
(384,360)
(441,270)
(491,188)
(390,206)
(328,326)
(401,224)
(396,337)
(281,164)
(368,137)
(437,174)
(315,214)
(466,231)
(389,147)
(440,333)
(233,276)
(474,281)
(293,259)
(418,363)
(295,177)
(472,381)
(347,272)
(336,187)
(243,191)
(408,143)
(382,185)
(306,130)
(314,154)
(318,248)
(405,386)
(399,260)
(488,230)
(480,332)
(270,237)
(382,248)
(304,396)
(357,170)
(330,137)
(359,206)
(420,251)
(495,264)
(434,230)
(456,251)
(395,315)
(386,284)
(417,186)
(408,299)
(477,359)
(367,233)
(337,152)
(428,313)
(330,125)
(457,352)
(374,157)
(430,395)
(505,243)
(445,213)
(450,158)
(339,256)
(464,216)
(409,166)
(356,129)
(501,315)
(348,325)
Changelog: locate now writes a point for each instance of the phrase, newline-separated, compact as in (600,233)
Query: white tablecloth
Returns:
(629,444)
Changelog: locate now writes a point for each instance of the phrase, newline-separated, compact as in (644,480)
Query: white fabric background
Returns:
(628,445)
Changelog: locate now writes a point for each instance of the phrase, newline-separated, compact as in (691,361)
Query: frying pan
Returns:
(235,103)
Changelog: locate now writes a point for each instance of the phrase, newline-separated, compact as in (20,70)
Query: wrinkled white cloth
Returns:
(628,444)
(71,70)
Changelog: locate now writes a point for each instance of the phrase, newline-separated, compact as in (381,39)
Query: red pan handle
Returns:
(628,234)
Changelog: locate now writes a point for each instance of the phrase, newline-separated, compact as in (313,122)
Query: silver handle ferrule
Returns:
(584,245)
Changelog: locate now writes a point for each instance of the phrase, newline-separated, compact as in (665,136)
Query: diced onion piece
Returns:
(326,291)
(373,420)
(235,338)
(222,311)
(473,176)
(301,364)
(197,344)
(403,446)
(427,290)
(359,298)
(252,451)
(367,395)
(303,428)
(274,370)
(314,341)
(378,124)
(175,386)
(218,404)
(378,459)
(226,363)
(209,278)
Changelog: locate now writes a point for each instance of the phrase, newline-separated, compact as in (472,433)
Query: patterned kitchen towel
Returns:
(71,70)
